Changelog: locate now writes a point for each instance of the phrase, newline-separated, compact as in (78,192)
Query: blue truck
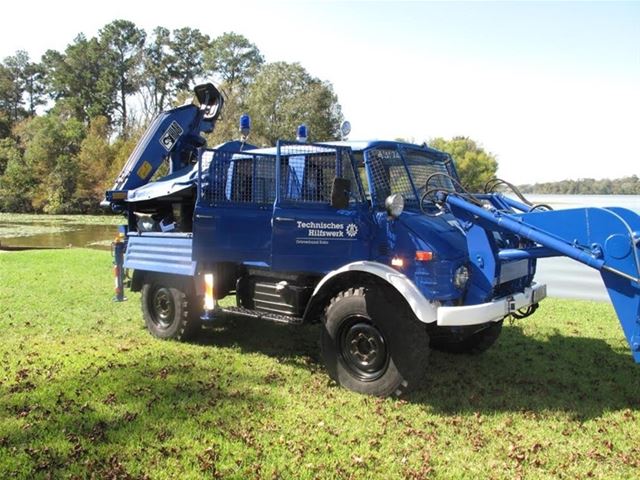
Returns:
(378,241)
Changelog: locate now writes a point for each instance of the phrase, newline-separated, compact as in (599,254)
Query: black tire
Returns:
(372,343)
(169,309)
(471,343)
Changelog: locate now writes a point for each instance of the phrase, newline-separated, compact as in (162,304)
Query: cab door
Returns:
(233,216)
(309,235)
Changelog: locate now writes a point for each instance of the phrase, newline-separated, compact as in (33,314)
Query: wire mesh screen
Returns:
(240,178)
(421,166)
(389,175)
(349,172)
(307,173)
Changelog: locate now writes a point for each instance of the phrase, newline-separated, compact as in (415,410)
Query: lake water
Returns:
(632,202)
(564,277)
(55,232)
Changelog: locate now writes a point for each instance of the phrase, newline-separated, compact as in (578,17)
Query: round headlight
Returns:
(394,205)
(461,277)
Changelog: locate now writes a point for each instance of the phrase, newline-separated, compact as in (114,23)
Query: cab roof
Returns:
(355,145)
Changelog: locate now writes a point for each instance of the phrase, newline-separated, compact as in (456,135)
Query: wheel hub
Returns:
(364,350)
(162,308)
(364,347)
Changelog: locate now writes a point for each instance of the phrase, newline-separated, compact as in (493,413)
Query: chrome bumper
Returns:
(491,311)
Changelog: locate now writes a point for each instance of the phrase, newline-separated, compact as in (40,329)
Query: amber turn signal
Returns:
(424,256)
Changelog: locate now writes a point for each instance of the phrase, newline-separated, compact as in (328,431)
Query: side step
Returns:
(273,317)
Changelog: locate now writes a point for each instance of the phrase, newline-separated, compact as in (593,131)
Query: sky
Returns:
(551,89)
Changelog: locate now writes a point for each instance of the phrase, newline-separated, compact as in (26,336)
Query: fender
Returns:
(423,309)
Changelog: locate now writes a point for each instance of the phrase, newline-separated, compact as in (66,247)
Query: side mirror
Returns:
(340,190)
(210,100)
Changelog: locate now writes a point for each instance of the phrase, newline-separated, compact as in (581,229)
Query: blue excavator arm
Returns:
(606,239)
(173,135)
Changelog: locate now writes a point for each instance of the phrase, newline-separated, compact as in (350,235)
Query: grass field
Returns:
(85,392)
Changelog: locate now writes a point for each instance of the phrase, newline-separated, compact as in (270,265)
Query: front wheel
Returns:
(168,309)
(372,343)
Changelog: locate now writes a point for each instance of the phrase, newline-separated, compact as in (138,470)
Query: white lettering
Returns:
(325,233)
(321,225)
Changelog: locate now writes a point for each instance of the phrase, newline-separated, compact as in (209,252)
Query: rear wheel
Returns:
(169,309)
(372,343)
(464,341)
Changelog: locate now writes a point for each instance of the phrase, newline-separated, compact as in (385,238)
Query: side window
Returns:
(240,185)
(350,173)
(242,179)
(362,174)
(318,177)
(309,178)
(264,189)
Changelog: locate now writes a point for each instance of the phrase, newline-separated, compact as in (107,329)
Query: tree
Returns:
(233,58)
(21,87)
(123,43)
(475,166)
(188,46)
(8,151)
(10,97)
(157,84)
(5,125)
(94,162)
(17,185)
(51,145)
(81,80)
(283,96)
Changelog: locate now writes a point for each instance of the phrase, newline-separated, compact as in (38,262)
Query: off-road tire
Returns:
(474,344)
(362,320)
(169,309)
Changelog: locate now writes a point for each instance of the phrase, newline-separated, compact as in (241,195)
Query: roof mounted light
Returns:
(245,125)
(302,133)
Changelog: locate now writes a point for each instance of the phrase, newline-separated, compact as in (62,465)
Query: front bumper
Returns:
(492,311)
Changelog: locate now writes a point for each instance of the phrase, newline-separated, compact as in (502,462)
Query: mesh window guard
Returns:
(240,178)
(308,171)
(306,175)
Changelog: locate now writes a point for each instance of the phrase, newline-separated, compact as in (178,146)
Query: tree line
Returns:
(69,121)
(588,186)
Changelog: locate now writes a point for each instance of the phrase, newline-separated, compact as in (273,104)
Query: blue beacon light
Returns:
(302,133)
(245,125)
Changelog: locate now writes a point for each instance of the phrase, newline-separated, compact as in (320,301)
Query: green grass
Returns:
(85,392)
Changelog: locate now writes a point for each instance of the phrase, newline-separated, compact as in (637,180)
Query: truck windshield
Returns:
(392,172)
